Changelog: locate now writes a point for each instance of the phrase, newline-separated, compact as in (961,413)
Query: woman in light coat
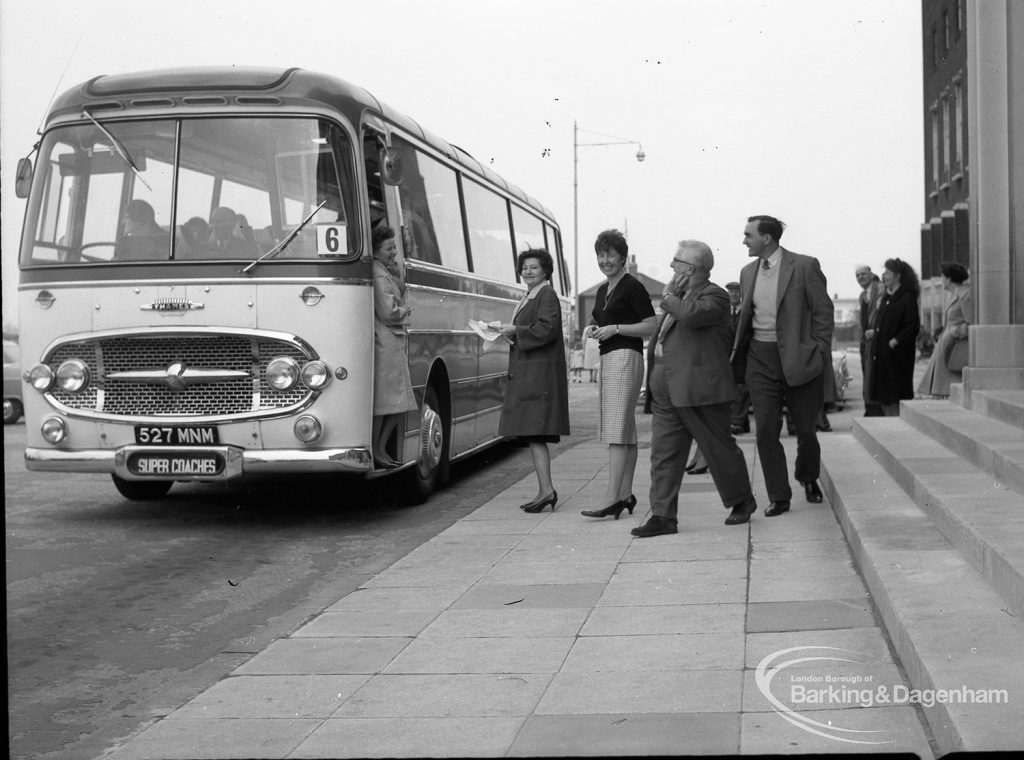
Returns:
(959,314)
(392,384)
(536,404)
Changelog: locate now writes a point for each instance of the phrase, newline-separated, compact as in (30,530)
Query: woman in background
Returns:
(536,404)
(892,335)
(959,314)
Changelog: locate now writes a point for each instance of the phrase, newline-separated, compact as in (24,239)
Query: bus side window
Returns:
(490,236)
(431,212)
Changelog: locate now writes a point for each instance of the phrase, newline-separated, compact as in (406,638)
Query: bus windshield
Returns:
(227,188)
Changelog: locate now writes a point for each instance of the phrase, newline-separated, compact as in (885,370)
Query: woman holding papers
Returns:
(536,403)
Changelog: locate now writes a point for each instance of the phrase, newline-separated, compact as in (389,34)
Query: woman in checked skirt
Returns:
(622,320)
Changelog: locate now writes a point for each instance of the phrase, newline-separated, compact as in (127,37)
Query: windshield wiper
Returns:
(118,148)
(284,243)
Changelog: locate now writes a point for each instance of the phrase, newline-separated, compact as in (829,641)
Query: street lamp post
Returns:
(576,145)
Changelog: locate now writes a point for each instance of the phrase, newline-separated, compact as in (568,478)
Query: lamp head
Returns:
(640,155)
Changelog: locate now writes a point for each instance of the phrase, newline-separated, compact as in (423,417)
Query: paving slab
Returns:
(664,652)
(447,695)
(626,734)
(326,656)
(512,621)
(387,623)
(818,614)
(683,618)
(878,729)
(612,692)
(216,739)
(864,645)
(410,737)
(539,654)
(561,596)
(273,696)
(544,573)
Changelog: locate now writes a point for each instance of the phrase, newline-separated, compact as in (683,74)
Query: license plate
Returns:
(176,435)
(175,465)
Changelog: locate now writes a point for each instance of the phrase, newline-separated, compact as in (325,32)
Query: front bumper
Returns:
(237,461)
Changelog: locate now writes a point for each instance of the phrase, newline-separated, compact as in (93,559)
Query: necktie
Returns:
(765,264)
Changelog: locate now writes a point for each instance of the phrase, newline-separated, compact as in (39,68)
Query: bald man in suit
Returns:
(783,346)
(690,392)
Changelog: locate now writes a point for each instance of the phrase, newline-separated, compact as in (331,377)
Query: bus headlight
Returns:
(282,373)
(40,377)
(315,375)
(308,429)
(72,376)
(54,429)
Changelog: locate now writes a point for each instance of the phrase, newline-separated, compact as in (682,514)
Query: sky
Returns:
(809,110)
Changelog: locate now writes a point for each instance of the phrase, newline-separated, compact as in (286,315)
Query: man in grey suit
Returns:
(690,391)
(782,348)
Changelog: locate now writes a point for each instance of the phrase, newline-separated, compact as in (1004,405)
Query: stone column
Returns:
(995,70)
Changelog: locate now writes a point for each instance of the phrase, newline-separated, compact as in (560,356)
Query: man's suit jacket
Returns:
(696,347)
(804,319)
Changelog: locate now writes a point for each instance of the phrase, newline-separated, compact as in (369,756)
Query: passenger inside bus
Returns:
(194,234)
(143,238)
(223,239)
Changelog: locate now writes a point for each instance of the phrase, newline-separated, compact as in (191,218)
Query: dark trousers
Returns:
(741,407)
(768,392)
(870,409)
(673,430)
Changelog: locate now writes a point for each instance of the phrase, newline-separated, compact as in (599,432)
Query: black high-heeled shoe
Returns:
(612,509)
(538,506)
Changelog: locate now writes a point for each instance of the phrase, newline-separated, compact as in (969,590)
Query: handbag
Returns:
(957,355)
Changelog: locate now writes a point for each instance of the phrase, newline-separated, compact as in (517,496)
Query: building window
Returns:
(935,148)
(945,34)
(960,5)
(946,135)
(959,106)
(935,47)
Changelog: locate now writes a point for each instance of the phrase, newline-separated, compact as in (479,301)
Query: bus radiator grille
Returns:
(157,354)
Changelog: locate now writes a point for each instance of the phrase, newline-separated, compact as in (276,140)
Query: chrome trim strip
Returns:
(262,414)
(187,377)
(354,460)
(159,331)
(107,283)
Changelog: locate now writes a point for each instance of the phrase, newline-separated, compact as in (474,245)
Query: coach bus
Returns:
(195,294)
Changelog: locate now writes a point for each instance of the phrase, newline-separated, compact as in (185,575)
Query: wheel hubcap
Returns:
(431,440)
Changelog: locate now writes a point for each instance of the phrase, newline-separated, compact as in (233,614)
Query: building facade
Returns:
(945,232)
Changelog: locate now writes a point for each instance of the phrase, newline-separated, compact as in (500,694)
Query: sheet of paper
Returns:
(486,330)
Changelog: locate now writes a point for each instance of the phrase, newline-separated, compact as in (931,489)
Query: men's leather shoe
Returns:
(739,429)
(813,492)
(655,526)
(777,508)
(741,512)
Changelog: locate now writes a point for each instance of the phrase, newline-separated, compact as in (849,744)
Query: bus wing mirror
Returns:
(394,169)
(23,178)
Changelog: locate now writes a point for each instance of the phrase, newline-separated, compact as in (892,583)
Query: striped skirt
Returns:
(622,374)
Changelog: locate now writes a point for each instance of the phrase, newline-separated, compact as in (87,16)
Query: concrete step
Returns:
(1005,406)
(986,442)
(950,629)
(979,516)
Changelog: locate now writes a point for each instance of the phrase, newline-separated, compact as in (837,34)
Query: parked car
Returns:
(13,407)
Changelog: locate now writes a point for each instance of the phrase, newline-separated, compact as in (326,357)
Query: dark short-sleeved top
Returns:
(629,305)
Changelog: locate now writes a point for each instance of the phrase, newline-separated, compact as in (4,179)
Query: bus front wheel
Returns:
(432,451)
(142,490)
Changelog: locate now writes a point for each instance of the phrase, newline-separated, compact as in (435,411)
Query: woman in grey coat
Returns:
(536,404)
(959,314)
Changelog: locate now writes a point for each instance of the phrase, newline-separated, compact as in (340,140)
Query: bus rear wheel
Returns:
(432,452)
(142,490)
